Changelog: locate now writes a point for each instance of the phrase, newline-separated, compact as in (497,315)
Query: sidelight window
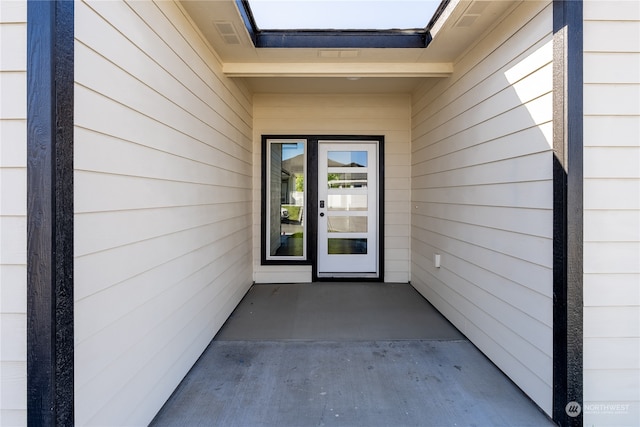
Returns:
(285,200)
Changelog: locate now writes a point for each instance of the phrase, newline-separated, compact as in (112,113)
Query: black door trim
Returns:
(264,196)
(50,345)
(312,203)
(313,211)
(567,212)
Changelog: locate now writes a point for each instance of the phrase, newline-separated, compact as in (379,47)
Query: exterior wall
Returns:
(612,213)
(163,168)
(387,115)
(482,196)
(13,207)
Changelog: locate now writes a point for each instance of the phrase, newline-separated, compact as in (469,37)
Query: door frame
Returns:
(311,204)
(338,265)
(313,208)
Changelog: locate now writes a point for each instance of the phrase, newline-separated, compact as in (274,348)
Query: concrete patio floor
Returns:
(344,354)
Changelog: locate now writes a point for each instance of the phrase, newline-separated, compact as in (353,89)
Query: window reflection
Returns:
(347,180)
(347,202)
(347,159)
(286,210)
(347,224)
(347,246)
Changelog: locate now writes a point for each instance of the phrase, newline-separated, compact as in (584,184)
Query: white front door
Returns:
(347,209)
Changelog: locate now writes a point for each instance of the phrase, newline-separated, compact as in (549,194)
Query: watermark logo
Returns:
(573,409)
(607,408)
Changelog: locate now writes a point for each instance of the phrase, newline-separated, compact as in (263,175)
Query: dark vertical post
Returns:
(312,205)
(381,210)
(50,59)
(568,212)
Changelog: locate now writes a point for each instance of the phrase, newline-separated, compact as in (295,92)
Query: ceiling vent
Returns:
(472,13)
(227,32)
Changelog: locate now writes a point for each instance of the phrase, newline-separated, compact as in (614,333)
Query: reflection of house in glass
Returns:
(293,180)
(290,225)
(339,178)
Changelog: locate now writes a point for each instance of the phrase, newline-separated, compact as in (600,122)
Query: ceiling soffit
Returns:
(336,69)
(460,25)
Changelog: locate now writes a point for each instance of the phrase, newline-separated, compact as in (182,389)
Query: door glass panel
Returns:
(347,159)
(347,224)
(347,246)
(347,180)
(286,201)
(347,209)
(347,202)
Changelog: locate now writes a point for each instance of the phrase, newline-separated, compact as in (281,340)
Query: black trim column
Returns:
(568,212)
(50,64)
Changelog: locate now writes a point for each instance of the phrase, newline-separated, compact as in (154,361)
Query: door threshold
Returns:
(348,276)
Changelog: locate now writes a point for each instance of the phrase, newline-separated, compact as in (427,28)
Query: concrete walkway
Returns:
(348,354)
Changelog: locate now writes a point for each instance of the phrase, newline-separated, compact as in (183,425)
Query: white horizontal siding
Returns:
(13,203)
(482,196)
(335,114)
(612,213)
(163,176)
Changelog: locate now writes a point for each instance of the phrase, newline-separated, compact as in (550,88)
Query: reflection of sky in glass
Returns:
(348,157)
(292,150)
(343,14)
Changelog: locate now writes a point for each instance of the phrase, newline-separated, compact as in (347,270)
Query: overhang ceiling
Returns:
(294,70)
